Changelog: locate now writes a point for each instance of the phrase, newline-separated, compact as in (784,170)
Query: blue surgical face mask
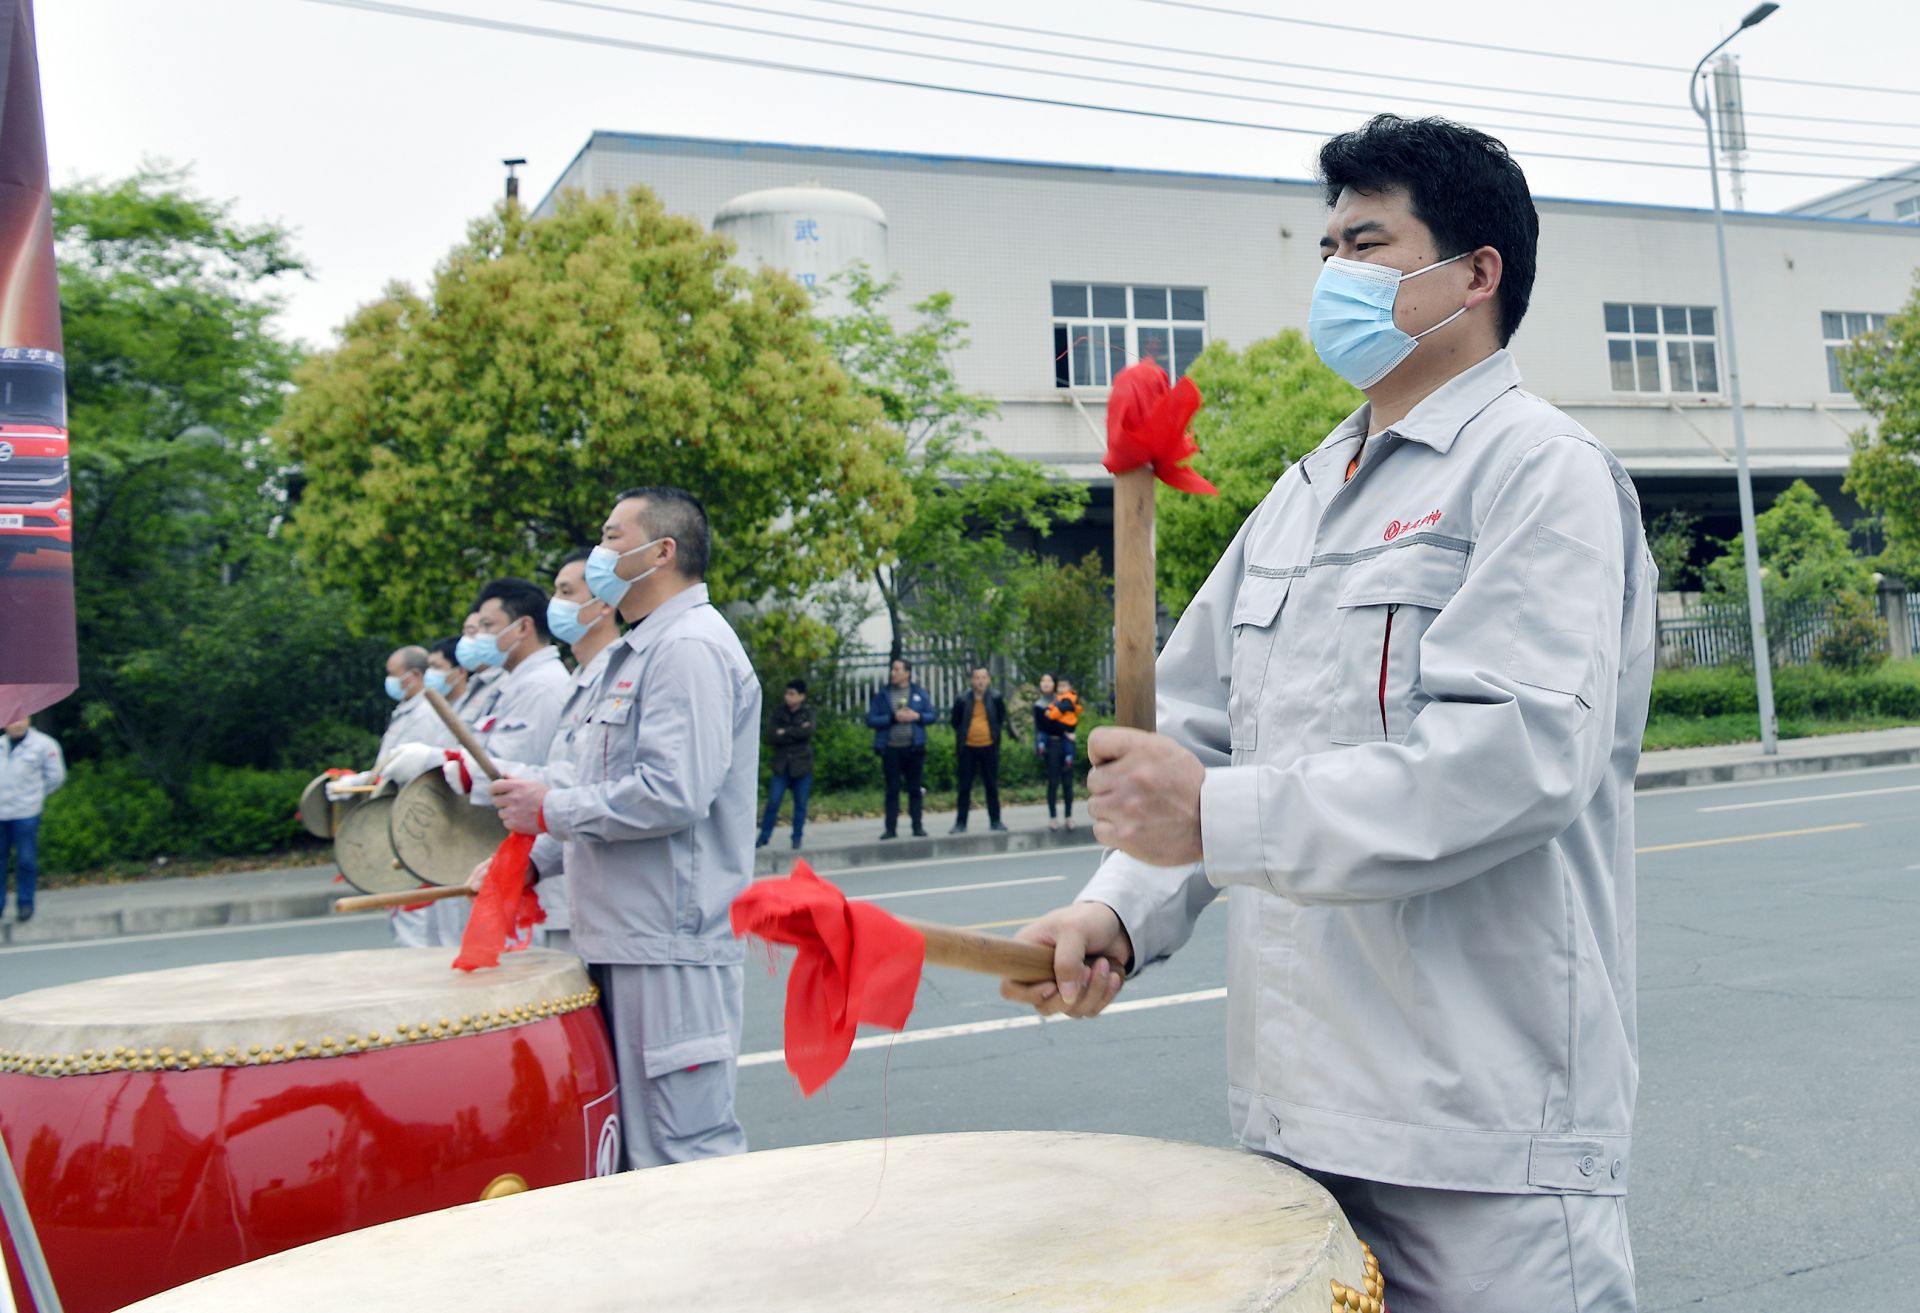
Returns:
(563,620)
(467,652)
(603,581)
(437,681)
(1351,320)
(486,651)
(393,688)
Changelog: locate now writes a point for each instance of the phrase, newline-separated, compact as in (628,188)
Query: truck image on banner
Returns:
(38,663)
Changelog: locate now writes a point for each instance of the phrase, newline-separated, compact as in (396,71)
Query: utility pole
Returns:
(513,179)
(1733,124)
(1756,605)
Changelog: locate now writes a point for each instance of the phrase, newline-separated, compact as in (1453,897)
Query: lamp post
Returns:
(1756,607)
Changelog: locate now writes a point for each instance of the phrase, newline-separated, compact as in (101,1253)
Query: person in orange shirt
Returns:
(979,718)
(1062,728)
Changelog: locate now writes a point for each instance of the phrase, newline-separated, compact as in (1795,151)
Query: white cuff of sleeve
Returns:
(1233,849)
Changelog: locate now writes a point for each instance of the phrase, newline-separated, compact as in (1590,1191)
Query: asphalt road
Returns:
(1776,1144)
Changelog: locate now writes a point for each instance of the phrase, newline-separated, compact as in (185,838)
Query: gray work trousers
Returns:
(676,1047)
(1455,1251)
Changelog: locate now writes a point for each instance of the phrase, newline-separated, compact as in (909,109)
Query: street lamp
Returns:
(1756,607)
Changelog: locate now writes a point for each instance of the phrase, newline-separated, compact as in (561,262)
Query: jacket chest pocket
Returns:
(610,742)
(1256,627)
(1386,604)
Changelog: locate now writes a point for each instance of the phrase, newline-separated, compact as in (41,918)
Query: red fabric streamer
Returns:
(856,964)
(1147,425)
(506,911)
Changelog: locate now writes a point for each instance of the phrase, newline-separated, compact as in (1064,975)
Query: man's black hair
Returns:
(1462,184)
(899,661)
(677,514)
(518,597)
(798,685)
(577,554)
(447,647)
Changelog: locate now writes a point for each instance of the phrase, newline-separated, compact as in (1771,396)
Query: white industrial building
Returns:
(1048,261)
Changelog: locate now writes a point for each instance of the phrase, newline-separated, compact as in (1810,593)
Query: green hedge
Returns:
(1809,692)
(112,812)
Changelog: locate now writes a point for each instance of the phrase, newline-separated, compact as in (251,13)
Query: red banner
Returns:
(38,664)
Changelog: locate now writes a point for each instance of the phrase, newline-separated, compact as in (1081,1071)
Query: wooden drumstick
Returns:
(988,955)
(404,898)
(463,735)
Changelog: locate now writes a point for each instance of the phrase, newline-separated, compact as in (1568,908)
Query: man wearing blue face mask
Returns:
(412,720)
(1399,726)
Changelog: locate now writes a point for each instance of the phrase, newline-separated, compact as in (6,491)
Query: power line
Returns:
(1135,83)
(385,7)
(1511,50)
(1260,62)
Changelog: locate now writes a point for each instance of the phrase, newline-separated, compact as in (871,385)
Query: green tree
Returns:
(950,573)
(1671,536)
(483,429)
(1805,557)
(1066,628)
(1265,408)
(1883,371)
(199,640)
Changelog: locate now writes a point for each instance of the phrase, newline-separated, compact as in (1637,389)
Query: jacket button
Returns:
(1588,1165)
(1618,1167)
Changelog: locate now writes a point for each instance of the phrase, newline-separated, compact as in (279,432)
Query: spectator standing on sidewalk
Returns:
(1061,720)
(31,768)
(898,716)
(791,738)
(979,718)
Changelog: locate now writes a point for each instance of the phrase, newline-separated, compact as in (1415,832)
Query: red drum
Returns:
(175,1123)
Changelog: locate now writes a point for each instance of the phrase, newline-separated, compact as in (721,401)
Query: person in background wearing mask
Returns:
(447,677)
(31,769)
(412,721)
(483,682)
(791,736)
(656,815)
(1400,724)
(898,715)
(511,619)
(590,628)
(979,718)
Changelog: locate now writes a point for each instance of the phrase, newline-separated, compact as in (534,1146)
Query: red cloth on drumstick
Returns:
(1147,425)
(506,910)
(856,964)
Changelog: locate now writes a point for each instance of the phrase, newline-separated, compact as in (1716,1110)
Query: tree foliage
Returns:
(1067,629)
(1671,537)
(1266,407)
(199,640)
(483,429)
(951,573)
(1806,559)
(1883,371)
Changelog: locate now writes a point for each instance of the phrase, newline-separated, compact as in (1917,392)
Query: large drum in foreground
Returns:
(172,1124)
(927,1223)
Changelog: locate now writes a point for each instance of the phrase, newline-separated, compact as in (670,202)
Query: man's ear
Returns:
(1488,269)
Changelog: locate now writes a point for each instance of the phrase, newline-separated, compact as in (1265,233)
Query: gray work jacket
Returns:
(660,822)
(413,721)
(549,853)
(1419,696)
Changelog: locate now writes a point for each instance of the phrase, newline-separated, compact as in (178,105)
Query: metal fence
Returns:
(1718,633)
(942,673)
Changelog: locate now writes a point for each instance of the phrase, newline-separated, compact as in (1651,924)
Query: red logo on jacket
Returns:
(1399,527)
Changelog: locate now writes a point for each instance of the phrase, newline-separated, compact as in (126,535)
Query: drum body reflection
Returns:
(168,1125)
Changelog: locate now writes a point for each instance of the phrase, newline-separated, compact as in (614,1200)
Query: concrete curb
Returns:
(1764,768)
(205,904)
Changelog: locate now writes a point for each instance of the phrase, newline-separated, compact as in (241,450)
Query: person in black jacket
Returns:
(979,718)
(791,737)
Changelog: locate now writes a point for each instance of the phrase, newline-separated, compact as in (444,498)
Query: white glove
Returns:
(410,762)
(463,772)
(336,788)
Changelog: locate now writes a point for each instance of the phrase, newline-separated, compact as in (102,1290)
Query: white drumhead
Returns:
(280,1009)
(1002,1221)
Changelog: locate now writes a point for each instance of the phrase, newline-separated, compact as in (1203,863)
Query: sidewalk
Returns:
(195,903)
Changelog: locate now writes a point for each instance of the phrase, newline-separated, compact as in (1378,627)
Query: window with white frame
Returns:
(1662,348)
(1838,329)
(1907,210)
(1101,328)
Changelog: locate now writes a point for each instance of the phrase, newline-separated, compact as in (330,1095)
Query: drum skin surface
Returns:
(1012,1220)
(143,1172)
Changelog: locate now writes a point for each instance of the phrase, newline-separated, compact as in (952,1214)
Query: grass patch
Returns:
(1744,727)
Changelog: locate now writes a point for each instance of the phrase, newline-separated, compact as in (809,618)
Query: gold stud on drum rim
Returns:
(503,1185)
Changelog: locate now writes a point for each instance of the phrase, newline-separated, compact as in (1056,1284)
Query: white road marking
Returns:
(1812,797)
(305,922)
(986,1027)
(964,888)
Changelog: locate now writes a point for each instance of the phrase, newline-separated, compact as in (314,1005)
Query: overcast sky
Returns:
(376,137)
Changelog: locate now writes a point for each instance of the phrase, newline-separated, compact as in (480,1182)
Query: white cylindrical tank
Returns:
(811,232)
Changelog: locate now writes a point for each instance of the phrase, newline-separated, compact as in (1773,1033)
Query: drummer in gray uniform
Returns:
(659,829)
(512,623)
(412,720)
(483,682)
